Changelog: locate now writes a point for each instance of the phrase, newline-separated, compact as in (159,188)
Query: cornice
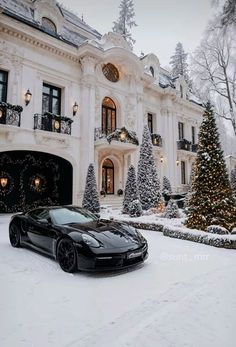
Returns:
(40,43)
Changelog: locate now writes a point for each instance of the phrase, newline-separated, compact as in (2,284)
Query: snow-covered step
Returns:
(112,200)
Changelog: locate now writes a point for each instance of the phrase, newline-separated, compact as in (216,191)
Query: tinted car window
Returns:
(72,215)
(39,214)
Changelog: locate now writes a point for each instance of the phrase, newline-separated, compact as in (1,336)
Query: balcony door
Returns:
(108,116)
(108,176)
(51,99)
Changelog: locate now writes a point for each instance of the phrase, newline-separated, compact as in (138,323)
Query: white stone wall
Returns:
(32,58)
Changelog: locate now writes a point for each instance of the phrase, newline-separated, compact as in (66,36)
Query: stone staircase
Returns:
(113,201)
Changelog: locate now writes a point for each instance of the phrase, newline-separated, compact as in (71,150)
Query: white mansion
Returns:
(83,98)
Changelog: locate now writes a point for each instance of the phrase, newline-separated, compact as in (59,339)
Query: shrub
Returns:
(217,229)
(135,209)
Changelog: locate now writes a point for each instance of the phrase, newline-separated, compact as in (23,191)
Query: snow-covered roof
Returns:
(193,98)
(71,28)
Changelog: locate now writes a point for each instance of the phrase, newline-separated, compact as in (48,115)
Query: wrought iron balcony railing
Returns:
(52,122)
(156,140)
(121,135)
(10,114)
(194,147)
(184,145)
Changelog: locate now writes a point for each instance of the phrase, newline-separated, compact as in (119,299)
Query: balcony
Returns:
(184,144)
(52,122)
(10,114)
(156,140)
(121,138)
(194,147)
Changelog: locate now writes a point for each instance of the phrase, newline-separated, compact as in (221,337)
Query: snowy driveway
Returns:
(184,295)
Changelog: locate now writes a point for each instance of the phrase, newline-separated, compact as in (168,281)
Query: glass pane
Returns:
(3,76)
(108,103)
(55,92)
(108,163)
(45,105)
(103,119)
(113,121)
(1,92)
(46,90)
(55,106)
(110,188)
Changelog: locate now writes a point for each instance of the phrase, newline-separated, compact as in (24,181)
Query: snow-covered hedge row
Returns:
(224,241)
(144,226)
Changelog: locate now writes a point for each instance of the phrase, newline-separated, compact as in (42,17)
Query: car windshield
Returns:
(66,215)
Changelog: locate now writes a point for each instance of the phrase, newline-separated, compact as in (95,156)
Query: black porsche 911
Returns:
(78,239)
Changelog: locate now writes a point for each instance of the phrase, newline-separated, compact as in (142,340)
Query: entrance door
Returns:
(108,176)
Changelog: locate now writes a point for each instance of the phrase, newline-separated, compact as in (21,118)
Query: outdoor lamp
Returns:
(37,182)
(3,181)
(75,108)
(28,96)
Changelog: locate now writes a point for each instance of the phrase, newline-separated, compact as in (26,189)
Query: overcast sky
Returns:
(161,23)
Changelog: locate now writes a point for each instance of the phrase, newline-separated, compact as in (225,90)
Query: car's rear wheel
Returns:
(66,255)
(14,235)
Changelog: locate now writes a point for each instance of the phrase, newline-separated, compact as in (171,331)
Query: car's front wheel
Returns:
(66,255)
(14,235)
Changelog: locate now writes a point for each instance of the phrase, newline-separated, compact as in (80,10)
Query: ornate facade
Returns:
(85,98)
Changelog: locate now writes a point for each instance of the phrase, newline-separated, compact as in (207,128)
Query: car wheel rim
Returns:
(66,256)
(14,235)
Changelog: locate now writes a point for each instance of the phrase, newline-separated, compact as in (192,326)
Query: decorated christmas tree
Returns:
(233,180)
(131,191)
(91,199)
(166,186)
(172,210)
(211,201)
(147,179)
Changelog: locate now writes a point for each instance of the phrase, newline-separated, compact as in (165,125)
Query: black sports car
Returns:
(78,239)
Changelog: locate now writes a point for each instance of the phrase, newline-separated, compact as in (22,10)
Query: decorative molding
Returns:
(114,40)
(39,44)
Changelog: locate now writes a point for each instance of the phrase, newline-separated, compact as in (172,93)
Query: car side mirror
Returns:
(97,215)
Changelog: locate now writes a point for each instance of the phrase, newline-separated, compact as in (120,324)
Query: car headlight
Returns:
(90,241)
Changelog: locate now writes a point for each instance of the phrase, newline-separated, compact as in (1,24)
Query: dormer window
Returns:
(48,25)
(152,71)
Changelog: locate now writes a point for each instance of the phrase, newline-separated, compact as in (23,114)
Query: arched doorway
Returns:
(108,176)
(29,179)
(108,116)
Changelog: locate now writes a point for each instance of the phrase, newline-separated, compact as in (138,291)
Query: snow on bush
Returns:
(224,241)
(172,210)
(217,229)
(135,208)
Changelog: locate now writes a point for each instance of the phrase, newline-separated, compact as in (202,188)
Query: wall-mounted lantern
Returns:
(75,108)
(161,159)
(177,162)
(28,96)
(3,181)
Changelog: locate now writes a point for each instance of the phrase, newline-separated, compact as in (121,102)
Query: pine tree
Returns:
(91,199)
(233,180)
(166,186)
(125,21)
(131,191)
(179,62)
(147,179)
(211,202)
(172,210)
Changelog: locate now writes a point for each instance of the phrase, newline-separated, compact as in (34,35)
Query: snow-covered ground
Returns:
(184,295)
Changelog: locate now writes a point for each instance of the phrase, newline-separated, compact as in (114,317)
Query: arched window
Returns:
(108,116)
(48,25)
(108,176)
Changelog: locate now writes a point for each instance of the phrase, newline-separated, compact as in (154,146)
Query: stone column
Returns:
(87,121)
